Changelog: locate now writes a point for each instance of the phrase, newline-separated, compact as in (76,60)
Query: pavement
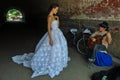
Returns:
(14,42)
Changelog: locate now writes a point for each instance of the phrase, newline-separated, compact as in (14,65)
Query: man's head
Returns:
(103,26)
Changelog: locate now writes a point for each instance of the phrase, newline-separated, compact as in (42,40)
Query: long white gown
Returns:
(47,59)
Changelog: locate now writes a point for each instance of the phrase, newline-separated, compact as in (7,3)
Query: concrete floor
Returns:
(14,42)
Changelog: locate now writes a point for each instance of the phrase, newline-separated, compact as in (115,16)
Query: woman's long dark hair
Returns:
(54,5)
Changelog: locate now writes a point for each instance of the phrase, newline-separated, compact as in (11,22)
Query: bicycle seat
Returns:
(73,30)
(87,31)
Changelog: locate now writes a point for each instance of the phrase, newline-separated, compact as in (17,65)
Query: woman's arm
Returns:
(49,29)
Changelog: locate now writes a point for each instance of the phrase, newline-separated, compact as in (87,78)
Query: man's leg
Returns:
(97,48)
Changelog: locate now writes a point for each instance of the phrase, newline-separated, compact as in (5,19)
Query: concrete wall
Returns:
(90,9)
(91,13)
(72,13)
(73,9)
(114,47)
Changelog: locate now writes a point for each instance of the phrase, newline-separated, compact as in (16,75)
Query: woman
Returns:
(51,53)
(105,39)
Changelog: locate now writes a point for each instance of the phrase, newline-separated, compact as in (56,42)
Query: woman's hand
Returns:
(51,42)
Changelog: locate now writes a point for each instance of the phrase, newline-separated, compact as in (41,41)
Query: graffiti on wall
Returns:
(91,9)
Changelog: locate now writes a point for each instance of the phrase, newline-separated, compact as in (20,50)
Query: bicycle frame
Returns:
(82,46)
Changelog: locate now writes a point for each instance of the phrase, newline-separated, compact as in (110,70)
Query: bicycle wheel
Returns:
(81,46)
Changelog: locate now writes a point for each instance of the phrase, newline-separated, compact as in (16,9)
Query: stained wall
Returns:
(90,9)
(91,13)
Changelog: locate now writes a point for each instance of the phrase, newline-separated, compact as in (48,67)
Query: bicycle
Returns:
(80,38)
(82,46)
(71,36)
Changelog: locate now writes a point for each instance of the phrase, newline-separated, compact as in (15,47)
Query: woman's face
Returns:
(55,10)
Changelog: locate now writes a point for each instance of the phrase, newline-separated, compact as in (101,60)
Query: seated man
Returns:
(99,40)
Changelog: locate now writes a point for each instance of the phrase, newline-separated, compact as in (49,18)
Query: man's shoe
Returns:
(91,60)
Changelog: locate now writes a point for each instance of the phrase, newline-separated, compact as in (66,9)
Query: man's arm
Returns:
(109,39)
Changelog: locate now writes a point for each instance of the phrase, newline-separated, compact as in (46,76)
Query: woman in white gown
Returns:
(51,52)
